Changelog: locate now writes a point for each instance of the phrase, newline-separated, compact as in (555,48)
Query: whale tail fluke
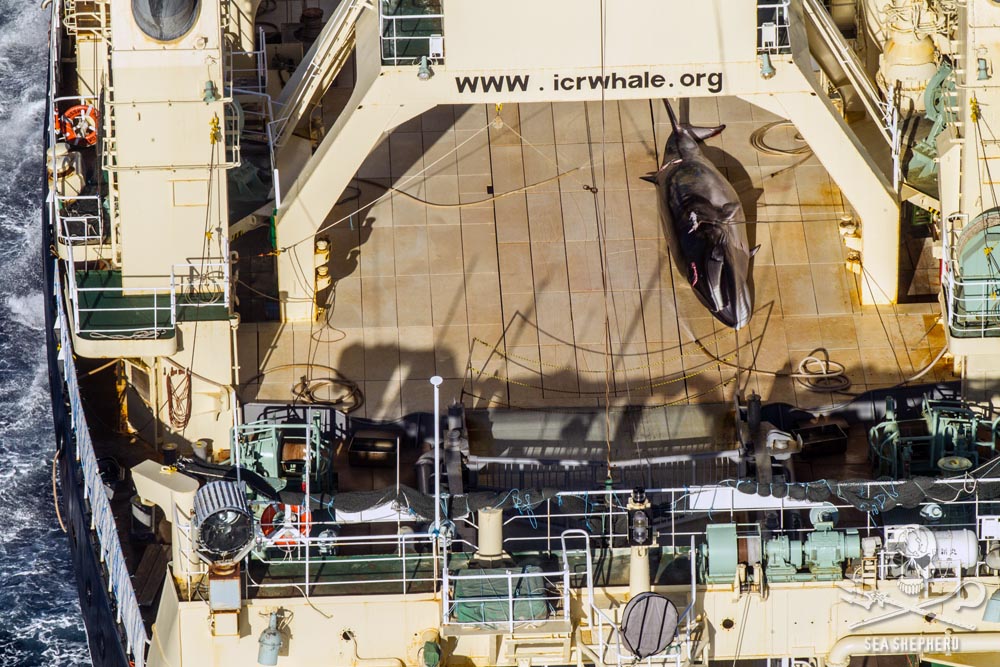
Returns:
(697,133)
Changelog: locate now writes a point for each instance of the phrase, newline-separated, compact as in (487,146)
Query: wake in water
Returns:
(42,622)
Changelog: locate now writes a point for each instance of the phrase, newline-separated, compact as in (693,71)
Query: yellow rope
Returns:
(55,493)
(493,401)
(480,372)
(528,360)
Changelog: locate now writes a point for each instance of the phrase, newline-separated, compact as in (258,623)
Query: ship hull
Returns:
(104,638)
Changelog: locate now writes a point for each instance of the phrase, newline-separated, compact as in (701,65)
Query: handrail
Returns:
(102,518)
(321,63)
(391,41)
(853,68)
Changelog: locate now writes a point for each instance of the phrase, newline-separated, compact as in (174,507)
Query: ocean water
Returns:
(38,600)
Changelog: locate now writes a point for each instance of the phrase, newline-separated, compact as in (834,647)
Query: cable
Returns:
(420,173)
(304,385)
(306,389)
(478,202)
(55,494)
(758,143)
(813,373)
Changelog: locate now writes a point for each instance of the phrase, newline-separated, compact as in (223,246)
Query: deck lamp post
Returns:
(436,381)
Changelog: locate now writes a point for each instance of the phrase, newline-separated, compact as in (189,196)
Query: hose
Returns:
(813,373)
(55,493)
(761,146)
(303,390)
(824,375)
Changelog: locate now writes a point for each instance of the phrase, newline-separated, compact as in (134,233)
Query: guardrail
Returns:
(318,68)
(772,27)
(609,650)
(508,600)
(60,217)
(256,76)
(192,285)
(263,116)
(162,306)
(90,225)
(302,540)
(972,305)
(879,110)
(400,44)
(102,517)
(402,552)
(197,285)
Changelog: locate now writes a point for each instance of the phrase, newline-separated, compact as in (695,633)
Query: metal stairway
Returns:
(87,19)
(318,69)
(841,65)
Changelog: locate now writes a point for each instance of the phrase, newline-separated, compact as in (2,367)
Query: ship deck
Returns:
(507,299)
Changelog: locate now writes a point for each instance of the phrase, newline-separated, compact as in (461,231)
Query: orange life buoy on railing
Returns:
(78,124)
(286,525)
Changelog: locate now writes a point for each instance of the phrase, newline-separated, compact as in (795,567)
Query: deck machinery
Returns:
(291,532)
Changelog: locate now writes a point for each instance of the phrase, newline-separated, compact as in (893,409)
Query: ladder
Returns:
(87,18)
(318,69)
(839,53)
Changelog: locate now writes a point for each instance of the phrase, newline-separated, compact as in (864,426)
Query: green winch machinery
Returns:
(821,556)
(945,439)
(279,451)
(823,552)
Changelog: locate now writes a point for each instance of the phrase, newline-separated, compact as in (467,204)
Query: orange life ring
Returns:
(282,533)
(79,123)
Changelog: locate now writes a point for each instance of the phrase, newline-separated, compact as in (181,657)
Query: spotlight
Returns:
(223,523)
(425,72)
(766,68)
(211,92)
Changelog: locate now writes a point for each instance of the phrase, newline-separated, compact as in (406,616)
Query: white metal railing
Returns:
(199,285)
(252,78)
(508,598)
(772,27)
(402,554)
(609,649)
(100,16)
(325,58)
(79,228)
(603,506)
(400,46)
(261,118)
(77,219)
(972,304)
(102,518)
(80,298)
(683,511)
(848,60)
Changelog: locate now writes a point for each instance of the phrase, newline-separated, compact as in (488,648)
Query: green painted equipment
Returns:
(972,278)
(719,555)
(279,452)
(823,553)
(945,439)
(938,97)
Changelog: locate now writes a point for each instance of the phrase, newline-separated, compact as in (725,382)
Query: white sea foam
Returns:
(27,310)
(43,625)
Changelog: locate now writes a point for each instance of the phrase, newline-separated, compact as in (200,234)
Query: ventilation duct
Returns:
(165,20)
